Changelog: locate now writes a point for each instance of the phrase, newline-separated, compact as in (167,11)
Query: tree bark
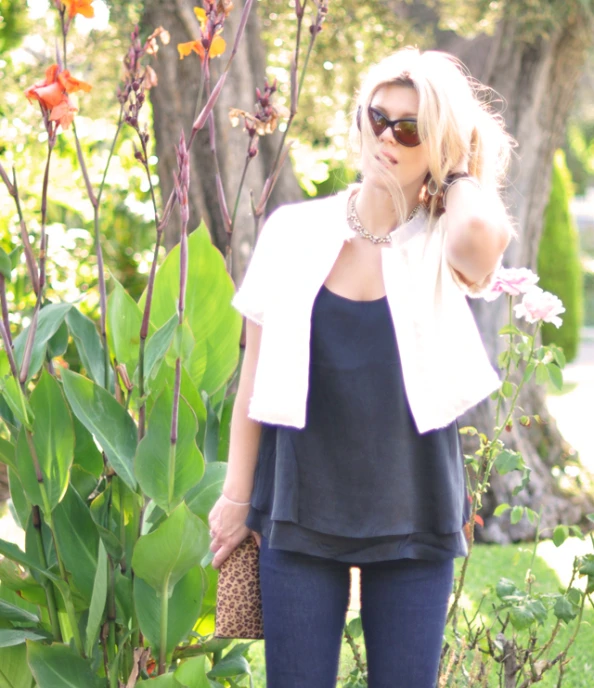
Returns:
(537,79)
(175,108)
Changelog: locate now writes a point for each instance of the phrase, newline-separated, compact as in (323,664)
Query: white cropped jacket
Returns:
(445,366)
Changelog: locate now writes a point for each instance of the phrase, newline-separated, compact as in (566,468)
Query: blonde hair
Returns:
(454,119)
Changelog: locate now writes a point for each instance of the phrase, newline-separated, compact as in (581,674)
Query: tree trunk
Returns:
(537,79)
(175,108)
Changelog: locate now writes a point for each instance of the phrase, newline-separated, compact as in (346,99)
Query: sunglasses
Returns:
(405,131)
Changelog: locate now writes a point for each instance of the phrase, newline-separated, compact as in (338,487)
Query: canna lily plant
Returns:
(115,431)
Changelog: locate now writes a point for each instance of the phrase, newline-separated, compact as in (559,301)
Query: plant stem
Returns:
(47,585)
(111,618)
(111,152)
(163,634)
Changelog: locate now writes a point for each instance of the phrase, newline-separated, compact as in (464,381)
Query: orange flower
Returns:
(217,48)
(217,44)
(52,94)
(83,7)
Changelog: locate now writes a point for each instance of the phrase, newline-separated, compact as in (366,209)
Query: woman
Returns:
(361,353)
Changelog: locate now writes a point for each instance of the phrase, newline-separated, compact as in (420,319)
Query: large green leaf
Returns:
(215,324)
(20,504)
(48,323)
(17,636)
(59,666)
(78,541)
(88,344)
(88,462)
(16,555)
(164,556)
(124,319)
(201,499)
(53,439)
(58,344)
(165,681)
(156,348)
(107,420)
(14,670)
(7,453)
(192,673)
(13,613)
(5,264)
(12,393)
(182,613)
(97,601)
(166,475)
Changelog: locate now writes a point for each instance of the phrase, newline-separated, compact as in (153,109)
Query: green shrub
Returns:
(559,264)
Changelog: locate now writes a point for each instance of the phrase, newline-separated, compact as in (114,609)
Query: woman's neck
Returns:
(376,210)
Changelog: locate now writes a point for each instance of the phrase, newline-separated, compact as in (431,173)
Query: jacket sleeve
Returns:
(252,296)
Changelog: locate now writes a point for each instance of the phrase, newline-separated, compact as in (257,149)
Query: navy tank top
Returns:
(358,483)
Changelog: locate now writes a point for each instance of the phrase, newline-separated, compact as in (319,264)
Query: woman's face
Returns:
(408,166)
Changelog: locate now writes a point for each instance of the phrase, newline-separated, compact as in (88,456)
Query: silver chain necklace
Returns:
(355,223)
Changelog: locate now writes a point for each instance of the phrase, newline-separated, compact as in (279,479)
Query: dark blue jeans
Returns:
(403,610)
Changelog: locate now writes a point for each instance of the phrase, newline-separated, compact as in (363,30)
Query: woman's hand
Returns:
(227,528)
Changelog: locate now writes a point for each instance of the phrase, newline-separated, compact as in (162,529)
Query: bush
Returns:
(559,264)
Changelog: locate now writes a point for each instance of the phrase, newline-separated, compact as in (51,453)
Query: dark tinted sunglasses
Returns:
(405,131)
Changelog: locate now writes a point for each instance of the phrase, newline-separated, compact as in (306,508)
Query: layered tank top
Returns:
(358,483)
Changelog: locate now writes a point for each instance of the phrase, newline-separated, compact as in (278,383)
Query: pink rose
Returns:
(512,281)
(540,305)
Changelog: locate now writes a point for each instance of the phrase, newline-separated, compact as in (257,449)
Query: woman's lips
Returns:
(386,160)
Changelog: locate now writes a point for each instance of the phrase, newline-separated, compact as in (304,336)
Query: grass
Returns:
(488,564)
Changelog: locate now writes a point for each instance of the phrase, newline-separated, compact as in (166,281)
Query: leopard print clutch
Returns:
(239,600)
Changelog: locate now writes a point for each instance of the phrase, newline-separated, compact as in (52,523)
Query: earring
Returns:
(432,190)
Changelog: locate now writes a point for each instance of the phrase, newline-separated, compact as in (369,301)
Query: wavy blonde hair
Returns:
(454,118)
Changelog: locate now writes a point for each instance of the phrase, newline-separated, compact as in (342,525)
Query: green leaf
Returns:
(165,681)
(107,420)
(560,535)
(233,666)
(78,540)
(7,453)
(555,375)
(507,461)
(516,514)
(97,601)
(16,555)
(60,666)
(559,356)
(88,461)
(530,368)
(532,515)
(12,393)
(53,439)
(542,374)
(225,428)
(182,612)
(48,323)
(192,673)
(521,617)
(164,556)
(164,483)
(215,324)
(505,588)
(501,509)
(88,344)
(510,329)
(58,344)
(14,613)
(354,627)
(5,264)
(17,636)
(182,345)
(201,498)
(564,609)
(20,503)
(538,610)
(124,319)
(14,670)
(507,389)
(157,346)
